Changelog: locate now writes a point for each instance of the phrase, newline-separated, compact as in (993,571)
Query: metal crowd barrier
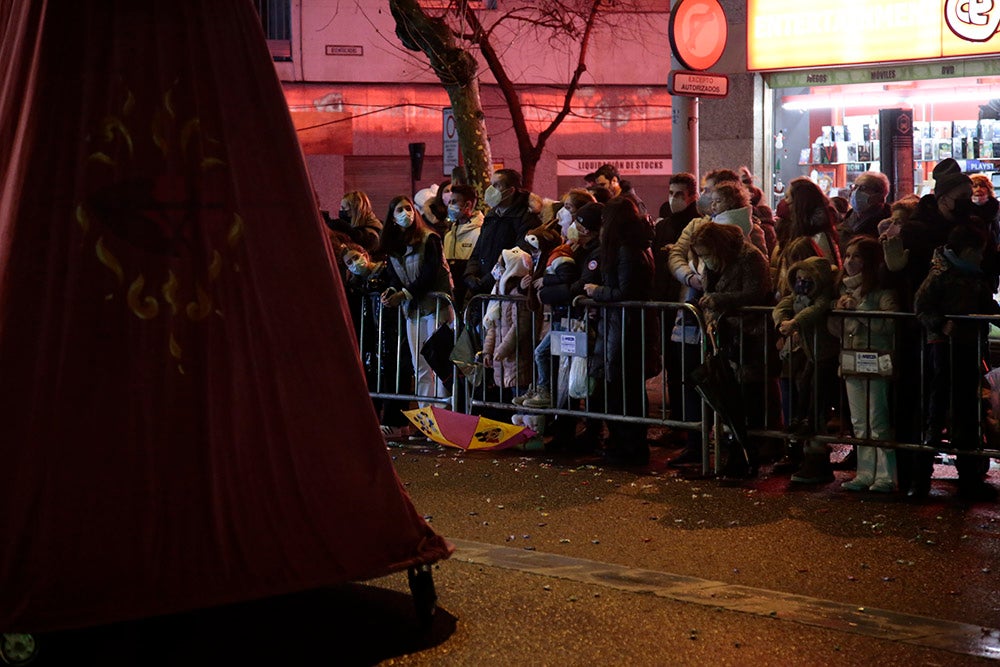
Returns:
(910,382)
(384,342)
(383,333)
(600,323)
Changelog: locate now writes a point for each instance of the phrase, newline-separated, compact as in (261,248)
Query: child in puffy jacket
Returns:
(801,316)
(507,338)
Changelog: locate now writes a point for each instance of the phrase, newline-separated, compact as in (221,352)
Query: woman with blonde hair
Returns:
(358,221)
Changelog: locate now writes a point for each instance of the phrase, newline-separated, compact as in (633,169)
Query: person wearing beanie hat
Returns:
(948,176)
(589,218)
(561,282)
(910,255)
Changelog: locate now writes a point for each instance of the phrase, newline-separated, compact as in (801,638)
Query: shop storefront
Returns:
(892,86)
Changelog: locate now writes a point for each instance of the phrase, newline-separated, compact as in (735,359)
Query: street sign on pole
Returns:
(698,84)
(449,141)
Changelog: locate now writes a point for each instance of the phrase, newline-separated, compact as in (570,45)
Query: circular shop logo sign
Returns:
(698,32)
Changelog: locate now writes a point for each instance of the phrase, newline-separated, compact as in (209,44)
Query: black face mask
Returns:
(803,286)
(964,208)
(344,215)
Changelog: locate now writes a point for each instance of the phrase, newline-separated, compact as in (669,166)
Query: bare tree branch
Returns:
(457,70)
(564,24)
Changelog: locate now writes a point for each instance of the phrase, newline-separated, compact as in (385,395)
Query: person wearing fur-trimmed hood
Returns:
(507,337)
(801,316)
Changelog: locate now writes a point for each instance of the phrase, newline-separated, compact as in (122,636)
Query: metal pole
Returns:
(683,126)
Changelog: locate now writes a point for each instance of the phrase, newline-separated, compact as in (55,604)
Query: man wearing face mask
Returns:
(868,207)
(465,225)
(504,226)
(676,213)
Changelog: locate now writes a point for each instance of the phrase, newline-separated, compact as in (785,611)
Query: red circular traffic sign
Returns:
(698,32)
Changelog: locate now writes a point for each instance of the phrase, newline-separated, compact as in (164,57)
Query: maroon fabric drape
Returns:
(183,418)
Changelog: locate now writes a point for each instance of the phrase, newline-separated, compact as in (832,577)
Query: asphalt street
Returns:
(560,561)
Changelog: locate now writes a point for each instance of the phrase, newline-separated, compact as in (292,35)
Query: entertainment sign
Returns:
(784,35)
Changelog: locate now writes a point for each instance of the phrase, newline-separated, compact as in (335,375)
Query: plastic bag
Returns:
(579,378)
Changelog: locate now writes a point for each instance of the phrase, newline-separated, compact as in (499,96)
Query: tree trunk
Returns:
(531,152)
(456,68)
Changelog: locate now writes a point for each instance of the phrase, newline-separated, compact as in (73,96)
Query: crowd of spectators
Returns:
(825,267)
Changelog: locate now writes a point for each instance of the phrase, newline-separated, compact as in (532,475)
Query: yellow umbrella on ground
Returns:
(455,429)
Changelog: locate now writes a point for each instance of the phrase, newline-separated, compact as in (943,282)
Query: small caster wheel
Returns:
(17,648)
(424,596)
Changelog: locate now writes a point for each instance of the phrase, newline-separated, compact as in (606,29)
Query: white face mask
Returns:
(497,272)
(564,218)
(573,233)
(980,199)
(404,218)
(532,241)
(357,264)
(446,198)
(492,196)
(705,204)
(677,204)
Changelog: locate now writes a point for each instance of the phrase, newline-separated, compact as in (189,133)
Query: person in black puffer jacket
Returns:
(508,220)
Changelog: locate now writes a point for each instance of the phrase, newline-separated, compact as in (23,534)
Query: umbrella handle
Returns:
(712,334)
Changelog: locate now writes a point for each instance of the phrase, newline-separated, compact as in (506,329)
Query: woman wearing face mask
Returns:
(417,267)
(366,280)
(572,202)
(737,275)
(986,206)
(358,221)
(436,208)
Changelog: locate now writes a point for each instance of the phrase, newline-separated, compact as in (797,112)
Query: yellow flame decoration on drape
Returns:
(83,218)
(175,348)
(145,308)
(201,309)
(215,268)
(107,259)
(170,292)
(111,126)
(112,151)
(235,231)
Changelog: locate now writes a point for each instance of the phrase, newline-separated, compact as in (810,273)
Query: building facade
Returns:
(358,99)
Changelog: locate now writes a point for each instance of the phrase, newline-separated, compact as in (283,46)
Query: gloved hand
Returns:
(896,257)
